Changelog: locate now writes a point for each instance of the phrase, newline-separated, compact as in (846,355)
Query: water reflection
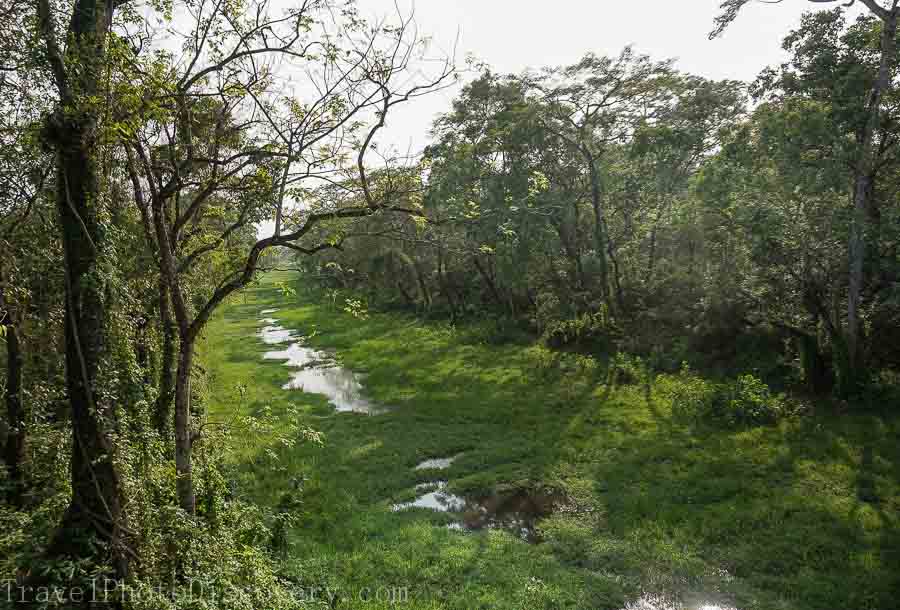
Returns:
(275,335)
(655,601)
(517,512)
(318,371)
(437,463)
(649,601)
(340,385)
(438,499)
(297,355)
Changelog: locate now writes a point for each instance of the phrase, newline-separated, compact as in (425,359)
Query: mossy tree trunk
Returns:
(95,513)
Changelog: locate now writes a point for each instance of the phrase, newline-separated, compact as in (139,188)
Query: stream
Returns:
(315,372)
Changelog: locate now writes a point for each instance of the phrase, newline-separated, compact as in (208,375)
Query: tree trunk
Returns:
(599,225)
(162,408)
(183,429)
(617,279)
(852,359)
(815,369)
(187,334)
(423,285)
(410,301)
(14,452)
(489,281)
(572,254)
(651,257)
(95,512)
(863,206)
(444,283)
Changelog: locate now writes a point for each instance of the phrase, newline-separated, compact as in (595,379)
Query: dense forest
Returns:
(729,248)
(621,202)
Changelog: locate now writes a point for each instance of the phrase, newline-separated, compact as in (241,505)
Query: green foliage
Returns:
(332,296)
(543,360)
(625,369)
(745,401)
(547,310)
(614,207)
(690,395)
(286,289)
(222,565)
(287,516)
(749,401)
(587,330)
(495,330)
(217,560)
(356,308)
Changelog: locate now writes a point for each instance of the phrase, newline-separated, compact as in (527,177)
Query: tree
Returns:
(222,154)
(77,62)
(775,225)
(594,104)
(23,172)
(865,168)
(22,196)
(511,203)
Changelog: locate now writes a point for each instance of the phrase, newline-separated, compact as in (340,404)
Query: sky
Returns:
(514,35)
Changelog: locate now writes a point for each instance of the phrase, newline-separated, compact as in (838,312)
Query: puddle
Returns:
(652,601)
(342,387)
(296,355)
(517,512)
(275,335)
(318,372)
(438,499)
(437,463)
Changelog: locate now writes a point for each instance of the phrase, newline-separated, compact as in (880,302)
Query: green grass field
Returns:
(803,515)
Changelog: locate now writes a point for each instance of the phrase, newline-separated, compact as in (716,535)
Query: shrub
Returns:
(625,369)
(542,361)
(745,401)
(547,309)
(589,329)
(691,396)
(748,400)
(356,308)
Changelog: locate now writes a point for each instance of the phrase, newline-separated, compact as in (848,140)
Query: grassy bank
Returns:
(801,515)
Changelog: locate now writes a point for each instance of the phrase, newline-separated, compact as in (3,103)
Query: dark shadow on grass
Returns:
(778,508)
(794,512)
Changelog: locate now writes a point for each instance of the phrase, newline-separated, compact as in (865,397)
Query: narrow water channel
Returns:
(315,371)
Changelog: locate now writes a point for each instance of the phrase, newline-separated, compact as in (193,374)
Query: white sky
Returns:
(512,35)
